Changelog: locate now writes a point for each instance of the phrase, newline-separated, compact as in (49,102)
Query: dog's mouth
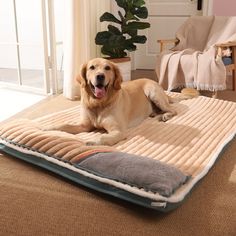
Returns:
(99,90)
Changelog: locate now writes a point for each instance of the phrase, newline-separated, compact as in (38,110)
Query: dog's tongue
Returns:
(100,92)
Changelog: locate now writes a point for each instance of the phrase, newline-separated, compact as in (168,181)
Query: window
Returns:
(31,45)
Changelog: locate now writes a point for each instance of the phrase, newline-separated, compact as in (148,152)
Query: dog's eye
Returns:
(92,67)
(107,67)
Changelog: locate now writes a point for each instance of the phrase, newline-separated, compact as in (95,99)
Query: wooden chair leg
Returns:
(234,68)
(234,78)
(214,94)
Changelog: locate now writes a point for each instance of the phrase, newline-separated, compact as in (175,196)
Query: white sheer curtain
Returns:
(82,24)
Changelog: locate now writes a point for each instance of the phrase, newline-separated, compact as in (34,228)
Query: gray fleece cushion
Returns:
(142,172)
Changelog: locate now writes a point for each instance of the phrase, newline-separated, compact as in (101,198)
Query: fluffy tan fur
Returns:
(122,105)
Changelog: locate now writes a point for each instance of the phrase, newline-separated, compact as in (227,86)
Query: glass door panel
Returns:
(29,21)
(8,64)
(8,55)
(59,19)
(31,44)
(60,65)
(7,23)
(32,66)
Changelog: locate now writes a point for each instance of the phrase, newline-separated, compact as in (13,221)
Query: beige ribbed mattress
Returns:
(191,141)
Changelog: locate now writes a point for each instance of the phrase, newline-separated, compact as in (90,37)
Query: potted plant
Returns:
(117,41)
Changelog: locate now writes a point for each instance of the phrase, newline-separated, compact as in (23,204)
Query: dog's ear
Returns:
(118,77)
(81,78)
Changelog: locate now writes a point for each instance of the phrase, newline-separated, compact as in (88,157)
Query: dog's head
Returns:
(100,77)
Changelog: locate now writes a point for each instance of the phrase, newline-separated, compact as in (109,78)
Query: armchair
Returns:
(204,52)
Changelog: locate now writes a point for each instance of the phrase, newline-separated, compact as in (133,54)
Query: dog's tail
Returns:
(186,93)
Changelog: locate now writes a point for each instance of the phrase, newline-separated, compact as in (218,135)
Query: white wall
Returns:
(224,8)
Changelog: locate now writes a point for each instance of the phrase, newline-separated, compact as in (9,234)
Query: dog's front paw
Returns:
(94,142)
(104,139)
(91,143)
(166,116)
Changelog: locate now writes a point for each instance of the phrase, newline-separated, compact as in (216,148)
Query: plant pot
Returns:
(124,65)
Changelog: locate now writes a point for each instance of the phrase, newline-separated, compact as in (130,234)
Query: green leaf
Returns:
(132,32)
(138,3)
(130,46)
(136,25)
(130,16)
(107,51)
(109,17)
(140,12)
(113,52)
(116,40)
(139,39)
(114,30)
(102,37)
(122,3)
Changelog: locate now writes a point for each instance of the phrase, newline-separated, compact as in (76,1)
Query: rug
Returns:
(156,166)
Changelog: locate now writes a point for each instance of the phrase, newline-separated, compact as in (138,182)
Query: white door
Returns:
(165,17)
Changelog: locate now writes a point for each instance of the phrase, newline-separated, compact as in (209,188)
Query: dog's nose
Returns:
(100,77)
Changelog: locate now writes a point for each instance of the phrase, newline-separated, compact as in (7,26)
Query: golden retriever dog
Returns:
(109,104)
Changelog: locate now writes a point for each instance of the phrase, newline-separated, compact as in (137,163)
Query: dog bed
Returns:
(156,166)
